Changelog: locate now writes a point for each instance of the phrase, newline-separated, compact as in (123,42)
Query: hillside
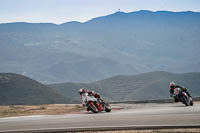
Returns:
(152,85)
(116,44)
(20,90)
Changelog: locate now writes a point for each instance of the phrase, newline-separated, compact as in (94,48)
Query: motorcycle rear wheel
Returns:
(107,107)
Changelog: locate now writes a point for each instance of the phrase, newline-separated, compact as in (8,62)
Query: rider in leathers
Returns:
(173,86)
(93,93)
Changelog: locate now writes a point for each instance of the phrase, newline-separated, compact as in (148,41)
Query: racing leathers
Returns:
(172,91)
(92,93)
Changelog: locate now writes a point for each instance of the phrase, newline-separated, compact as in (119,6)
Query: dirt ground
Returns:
(49,109)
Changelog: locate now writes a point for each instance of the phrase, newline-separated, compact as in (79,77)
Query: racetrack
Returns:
(132,115)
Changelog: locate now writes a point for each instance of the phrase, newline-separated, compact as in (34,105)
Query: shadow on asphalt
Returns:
(181,105)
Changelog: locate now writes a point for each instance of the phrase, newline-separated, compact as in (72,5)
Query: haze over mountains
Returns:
(19,89)
(120,43)
(146,86)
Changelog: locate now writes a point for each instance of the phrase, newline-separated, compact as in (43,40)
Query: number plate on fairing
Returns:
(177,91)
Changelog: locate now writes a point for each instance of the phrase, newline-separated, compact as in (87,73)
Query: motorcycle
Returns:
(94,105)
(183,97)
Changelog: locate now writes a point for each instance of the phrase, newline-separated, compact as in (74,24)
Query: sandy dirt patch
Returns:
(49,109)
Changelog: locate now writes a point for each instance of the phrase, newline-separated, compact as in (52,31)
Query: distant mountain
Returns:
(152,85)
(119,43)
(20,90)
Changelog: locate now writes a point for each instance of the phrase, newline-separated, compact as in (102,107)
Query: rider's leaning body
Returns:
(173,86)
(83,91)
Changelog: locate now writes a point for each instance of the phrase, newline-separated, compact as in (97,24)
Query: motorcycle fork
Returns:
(101,107)
(92,103)
(185,94)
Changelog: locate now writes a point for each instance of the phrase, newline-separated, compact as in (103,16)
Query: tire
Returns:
(107,107)
(184,100)
(191,102)
(92,107)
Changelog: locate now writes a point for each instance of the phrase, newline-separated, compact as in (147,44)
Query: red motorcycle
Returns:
(94,105)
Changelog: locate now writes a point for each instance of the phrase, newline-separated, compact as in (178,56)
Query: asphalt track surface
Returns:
(132,115)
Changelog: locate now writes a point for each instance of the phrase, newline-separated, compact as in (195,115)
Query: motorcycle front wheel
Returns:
(184,100)
(191,102)
(92,107)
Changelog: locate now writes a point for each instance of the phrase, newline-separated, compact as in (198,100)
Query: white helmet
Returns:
(171,84)
(81,91)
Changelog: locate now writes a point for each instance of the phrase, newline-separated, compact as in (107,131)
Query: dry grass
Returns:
(51,109)
(189,130)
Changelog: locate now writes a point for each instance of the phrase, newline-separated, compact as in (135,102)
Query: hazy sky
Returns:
(60,11)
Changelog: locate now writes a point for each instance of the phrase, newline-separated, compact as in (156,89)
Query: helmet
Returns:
(81,91)
(171,84)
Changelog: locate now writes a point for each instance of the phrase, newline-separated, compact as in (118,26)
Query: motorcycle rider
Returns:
(92,93)
(173,86)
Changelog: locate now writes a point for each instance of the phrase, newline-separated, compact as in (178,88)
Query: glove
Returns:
(102,99)
(172,95)
(83,104)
